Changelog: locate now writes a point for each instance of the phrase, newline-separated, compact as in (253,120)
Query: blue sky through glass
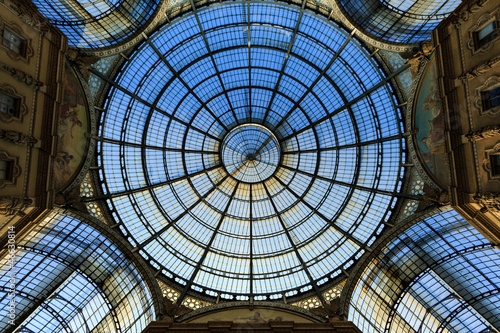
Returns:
(316,90)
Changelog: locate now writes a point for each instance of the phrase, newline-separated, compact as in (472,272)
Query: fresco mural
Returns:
(72,127)
(257,316)
(429,120)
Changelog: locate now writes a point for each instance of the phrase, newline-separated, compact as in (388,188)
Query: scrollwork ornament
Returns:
(29,15)
(35,23)
(484,133)
(415,59)
(17,138)
(21,76)
(22,108)
(13,205)
(480,69)
(467,12)
(491,82)
(28,53)
(490,201)
(15,171)
(487,161)
(481,21)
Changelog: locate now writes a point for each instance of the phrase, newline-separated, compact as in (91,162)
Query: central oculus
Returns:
(250,153)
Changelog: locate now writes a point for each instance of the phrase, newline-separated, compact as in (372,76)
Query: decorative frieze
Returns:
(12,205)
(21,76)
(480,69)
(487,162)
(463,15)
(17,138)
(28,14)
(490,201)
(14,169)
(490,83)
(483,133)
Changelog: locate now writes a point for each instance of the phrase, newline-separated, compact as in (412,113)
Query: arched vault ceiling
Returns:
(251,149)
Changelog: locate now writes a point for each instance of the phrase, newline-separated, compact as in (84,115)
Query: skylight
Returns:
(251,149)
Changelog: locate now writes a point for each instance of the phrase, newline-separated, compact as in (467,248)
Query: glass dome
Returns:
(251,149)
(69,276)
(97,23)
(401,21)
(250,153)
(439,275)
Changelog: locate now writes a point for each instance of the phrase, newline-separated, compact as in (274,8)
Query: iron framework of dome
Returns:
(400,21)
(251,150)
(97,23)
(429,279)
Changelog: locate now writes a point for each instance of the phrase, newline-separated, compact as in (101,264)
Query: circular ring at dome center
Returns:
(250,153)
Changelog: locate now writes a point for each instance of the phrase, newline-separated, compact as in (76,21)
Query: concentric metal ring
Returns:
(250,153)
(188,182)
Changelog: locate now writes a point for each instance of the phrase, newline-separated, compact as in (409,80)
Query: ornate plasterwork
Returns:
(411,139)
(20,75)
(490,201)
(495,150)
(483,133)
(491,82)
(480,23)
(28,14)
(247,304)
(480,69)
(18,31)
(16,169)
(415,61)
(17,138)
(13,205)
(465,13)
(22,108)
